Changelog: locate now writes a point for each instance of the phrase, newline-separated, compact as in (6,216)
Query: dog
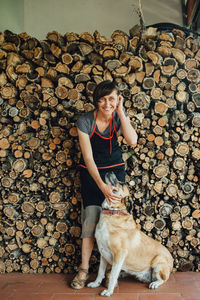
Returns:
(126,247)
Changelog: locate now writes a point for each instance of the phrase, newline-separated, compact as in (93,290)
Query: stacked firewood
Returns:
(44,87)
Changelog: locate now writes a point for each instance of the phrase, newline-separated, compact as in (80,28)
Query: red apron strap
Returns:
(115,128)
(110,134)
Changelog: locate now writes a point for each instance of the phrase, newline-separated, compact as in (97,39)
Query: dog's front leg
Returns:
(101,274)
(115,271)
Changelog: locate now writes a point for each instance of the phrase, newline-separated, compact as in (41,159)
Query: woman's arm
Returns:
(126,128)
(86,150)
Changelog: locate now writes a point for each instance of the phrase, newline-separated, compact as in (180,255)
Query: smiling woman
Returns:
(98,138)
(105,90)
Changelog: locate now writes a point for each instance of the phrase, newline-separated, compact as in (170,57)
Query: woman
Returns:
(97,132)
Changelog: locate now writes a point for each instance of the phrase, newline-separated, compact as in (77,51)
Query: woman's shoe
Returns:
(79,282)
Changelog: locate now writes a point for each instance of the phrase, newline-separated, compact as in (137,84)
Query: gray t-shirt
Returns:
(86,123)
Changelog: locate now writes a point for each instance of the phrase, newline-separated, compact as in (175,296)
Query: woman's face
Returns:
(108,103)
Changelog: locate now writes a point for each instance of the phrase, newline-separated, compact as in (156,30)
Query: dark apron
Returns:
(106,151)
(107,156)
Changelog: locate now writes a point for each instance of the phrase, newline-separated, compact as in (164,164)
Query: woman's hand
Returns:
(119,108)
(126,128)
(107,190)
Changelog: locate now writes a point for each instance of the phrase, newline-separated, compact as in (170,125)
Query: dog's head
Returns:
(122,191)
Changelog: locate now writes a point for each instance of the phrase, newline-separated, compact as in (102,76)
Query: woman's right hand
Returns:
(107,190)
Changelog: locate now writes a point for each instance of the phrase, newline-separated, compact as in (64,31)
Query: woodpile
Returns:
(44,87)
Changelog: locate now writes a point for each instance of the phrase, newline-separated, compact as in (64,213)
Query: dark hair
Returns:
(102,89)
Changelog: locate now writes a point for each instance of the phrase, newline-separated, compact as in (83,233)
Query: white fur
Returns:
(102,237)
(101,273)
(144,276)
(150,275)
(116,268)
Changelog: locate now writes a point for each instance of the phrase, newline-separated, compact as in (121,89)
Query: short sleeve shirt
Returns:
(86,123)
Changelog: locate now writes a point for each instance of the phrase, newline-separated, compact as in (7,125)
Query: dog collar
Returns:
(113,212)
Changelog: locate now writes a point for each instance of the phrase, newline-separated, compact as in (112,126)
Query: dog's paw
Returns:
(106,293)
(154,284)
(93,284)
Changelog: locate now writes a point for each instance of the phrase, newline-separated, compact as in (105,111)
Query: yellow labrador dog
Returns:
(126,248)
